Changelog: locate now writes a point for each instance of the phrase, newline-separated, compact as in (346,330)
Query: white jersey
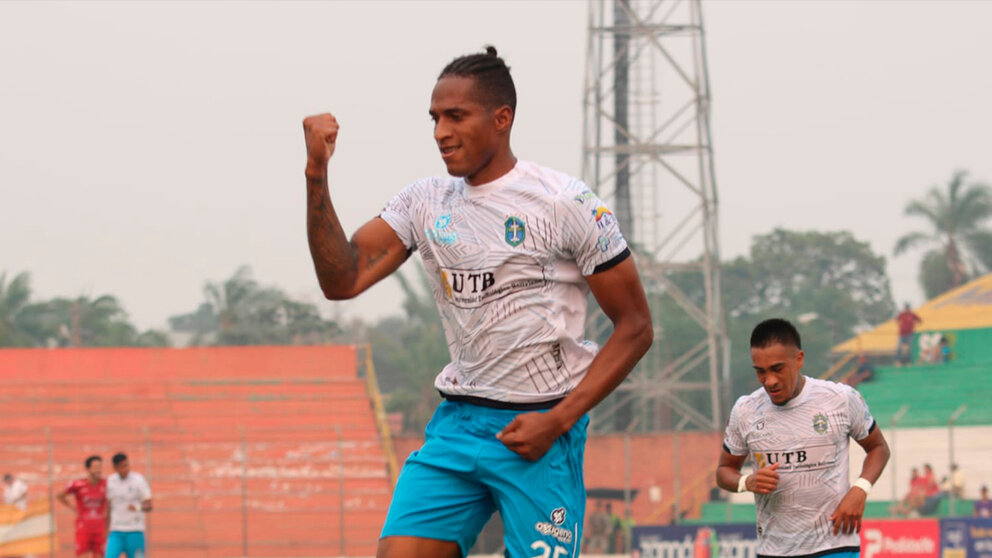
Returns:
(809,438)
(125,497)
(507,262)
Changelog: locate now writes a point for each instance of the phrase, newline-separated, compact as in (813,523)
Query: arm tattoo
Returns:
(334,257)
(372,259)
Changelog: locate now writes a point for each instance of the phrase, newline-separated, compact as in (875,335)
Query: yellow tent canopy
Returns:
(966,307)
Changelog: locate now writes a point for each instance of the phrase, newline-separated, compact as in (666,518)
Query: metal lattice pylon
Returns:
(647,152)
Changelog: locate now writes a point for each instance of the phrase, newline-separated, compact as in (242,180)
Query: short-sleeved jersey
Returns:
(125,497)
(507,262)
(809,438)
(91,501)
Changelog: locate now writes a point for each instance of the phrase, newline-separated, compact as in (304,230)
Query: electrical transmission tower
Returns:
(647,151)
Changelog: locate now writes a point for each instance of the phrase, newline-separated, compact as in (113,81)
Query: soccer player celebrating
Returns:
(798,429)
(130,499)
(90,508)
(512,248)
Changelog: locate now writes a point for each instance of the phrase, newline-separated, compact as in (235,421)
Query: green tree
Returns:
(14,297)
(240,311)
(960,245)
(84,322)
(830,280)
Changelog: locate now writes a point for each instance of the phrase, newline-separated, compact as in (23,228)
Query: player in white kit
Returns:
(797,429)
(512,249)
(130,498)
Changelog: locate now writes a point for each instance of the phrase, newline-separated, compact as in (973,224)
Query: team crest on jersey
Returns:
(820,423)
(515,231)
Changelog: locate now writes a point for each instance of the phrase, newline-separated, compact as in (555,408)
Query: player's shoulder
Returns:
(750,402)
(548,181)
(432,184)
(829,388)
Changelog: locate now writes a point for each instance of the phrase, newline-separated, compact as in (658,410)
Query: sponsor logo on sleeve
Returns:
(604,217)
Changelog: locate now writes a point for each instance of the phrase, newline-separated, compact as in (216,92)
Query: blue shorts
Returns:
(451,486)
(131,543)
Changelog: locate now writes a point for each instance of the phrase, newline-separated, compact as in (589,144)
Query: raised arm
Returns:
(344,268)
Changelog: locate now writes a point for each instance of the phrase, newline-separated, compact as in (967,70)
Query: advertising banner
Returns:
(908,538)
(731,540)
(966,537)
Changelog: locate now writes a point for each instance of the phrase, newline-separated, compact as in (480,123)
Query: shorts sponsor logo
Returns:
(547,529)
(820,423)
(558,516)
(441,233)
(514,231)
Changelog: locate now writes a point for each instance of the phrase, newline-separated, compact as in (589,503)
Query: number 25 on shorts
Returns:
(545,550)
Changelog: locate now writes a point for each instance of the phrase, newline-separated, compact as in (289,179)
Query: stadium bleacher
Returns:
(300,416)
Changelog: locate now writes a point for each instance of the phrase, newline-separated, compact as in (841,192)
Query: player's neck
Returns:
(502,163)
(93,480)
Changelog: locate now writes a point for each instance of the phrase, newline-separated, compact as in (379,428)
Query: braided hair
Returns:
(491,75)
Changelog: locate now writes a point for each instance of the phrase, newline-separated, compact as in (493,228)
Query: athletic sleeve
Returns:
(399,214)
(71,488)
(146,491)
(861,419)
(733,440)
(590,232)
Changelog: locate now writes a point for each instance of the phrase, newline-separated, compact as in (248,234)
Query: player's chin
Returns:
(454,169)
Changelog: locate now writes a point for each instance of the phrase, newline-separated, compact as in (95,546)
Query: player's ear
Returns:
(503,119)
(799,358)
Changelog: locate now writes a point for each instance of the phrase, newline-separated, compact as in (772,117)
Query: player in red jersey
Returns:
(90,508)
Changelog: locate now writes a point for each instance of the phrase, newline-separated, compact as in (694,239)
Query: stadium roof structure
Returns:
(966,307)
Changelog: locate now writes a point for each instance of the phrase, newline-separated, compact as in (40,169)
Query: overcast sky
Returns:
(146,148)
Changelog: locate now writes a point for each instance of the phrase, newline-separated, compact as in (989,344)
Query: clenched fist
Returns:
(320,132)
(764,480)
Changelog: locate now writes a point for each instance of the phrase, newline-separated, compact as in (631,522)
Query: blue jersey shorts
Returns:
(450,488)
(129,543)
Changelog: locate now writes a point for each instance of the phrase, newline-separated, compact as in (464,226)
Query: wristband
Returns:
(742,484)
(863,484)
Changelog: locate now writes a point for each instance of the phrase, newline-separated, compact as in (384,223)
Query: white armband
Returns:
(742,484)
(863,484)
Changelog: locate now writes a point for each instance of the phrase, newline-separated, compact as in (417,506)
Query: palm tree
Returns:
(13,298)
(960,244)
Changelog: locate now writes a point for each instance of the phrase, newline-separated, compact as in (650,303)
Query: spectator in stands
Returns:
(911,503)
(15,492)
(907,321)
(944,349)
(983,506)
(930,481)
(599,528)
(862,373)
(613,543)
(955,482)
